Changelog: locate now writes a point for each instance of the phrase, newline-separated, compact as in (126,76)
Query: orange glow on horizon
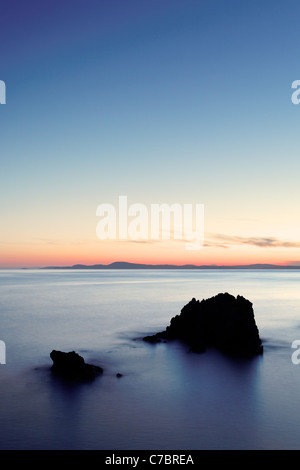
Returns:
(41,255)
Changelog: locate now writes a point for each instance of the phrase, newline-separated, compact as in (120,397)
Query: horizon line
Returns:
(131,265)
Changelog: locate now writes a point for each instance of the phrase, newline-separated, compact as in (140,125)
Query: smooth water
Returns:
(167,397)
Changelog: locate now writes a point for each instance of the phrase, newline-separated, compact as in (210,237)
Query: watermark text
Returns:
(296,345)
(160,222)
(296,94)
(2,352)
(2,92)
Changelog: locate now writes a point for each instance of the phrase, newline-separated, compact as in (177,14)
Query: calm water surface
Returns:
(167,397)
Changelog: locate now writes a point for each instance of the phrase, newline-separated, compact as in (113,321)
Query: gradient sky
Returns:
(164,101)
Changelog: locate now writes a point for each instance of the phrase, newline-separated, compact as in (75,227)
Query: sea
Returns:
(167,397)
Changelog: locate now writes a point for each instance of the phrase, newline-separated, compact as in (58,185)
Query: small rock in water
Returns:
(70,365)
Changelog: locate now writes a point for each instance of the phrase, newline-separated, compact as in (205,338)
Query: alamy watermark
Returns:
(2,352)
(2,92)
(160,222)
(296,345)
(296,94)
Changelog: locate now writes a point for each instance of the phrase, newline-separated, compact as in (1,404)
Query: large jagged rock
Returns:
(71,366)
(222,322)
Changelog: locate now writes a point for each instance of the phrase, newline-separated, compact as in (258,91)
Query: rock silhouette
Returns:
(70,365)
(224,322)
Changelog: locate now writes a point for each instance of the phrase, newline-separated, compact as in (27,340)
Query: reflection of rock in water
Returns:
(70,365)
(223,321)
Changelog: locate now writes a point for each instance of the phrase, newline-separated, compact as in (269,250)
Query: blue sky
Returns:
(164,101)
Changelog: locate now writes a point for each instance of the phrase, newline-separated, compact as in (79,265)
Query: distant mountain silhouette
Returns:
(126,265)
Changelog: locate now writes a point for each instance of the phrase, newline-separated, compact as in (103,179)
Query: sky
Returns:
(183,102)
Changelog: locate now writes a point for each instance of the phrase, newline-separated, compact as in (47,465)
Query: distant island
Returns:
(125,265)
